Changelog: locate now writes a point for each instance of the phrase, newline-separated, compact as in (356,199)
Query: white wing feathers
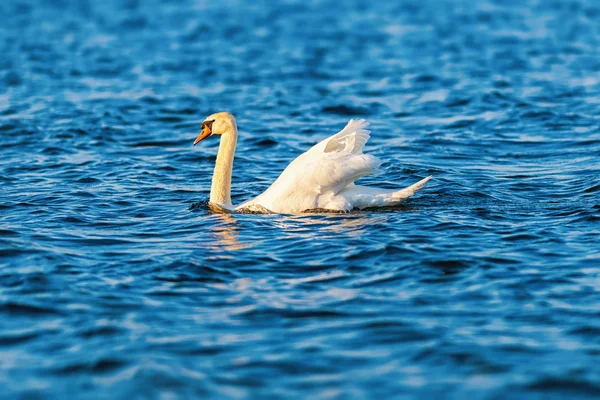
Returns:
(339,160)
(332,171)
(351,139)
(319,174)
(324,176)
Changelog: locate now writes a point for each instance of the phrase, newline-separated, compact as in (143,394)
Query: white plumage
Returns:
(321,178)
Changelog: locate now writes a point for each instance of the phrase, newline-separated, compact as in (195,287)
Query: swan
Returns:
(321,178)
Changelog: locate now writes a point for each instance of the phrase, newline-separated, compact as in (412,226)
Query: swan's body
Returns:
(321,178)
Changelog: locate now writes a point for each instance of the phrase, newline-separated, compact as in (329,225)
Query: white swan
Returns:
(321,178)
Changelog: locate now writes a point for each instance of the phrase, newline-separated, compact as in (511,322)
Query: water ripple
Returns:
(117,278)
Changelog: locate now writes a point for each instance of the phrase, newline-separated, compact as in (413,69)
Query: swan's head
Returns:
(216,124)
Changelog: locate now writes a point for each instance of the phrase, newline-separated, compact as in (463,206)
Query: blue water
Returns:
(117,281)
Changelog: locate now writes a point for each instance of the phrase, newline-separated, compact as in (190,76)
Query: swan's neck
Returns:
(220,191)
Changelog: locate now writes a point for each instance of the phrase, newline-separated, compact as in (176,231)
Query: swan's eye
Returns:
(205,131)
(207,125)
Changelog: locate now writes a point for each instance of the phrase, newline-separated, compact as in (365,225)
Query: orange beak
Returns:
(204,133)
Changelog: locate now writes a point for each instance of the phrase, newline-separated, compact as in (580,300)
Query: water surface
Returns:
(117,281)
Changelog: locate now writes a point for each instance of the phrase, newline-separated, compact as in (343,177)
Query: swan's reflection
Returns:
(226,230)
(226,227)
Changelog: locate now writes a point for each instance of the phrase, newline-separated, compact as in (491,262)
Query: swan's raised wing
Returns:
(351,139)
(323,171)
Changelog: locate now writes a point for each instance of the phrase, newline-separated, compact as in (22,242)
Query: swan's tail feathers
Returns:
(366,197)
(409,191)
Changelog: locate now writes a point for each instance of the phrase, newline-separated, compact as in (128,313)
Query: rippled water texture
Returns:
(117,281)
